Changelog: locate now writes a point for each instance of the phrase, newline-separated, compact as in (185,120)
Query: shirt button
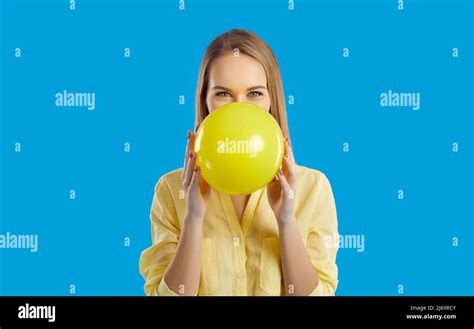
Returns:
(236,241)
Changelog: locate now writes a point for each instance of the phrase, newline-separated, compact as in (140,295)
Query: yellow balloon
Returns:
(239,148)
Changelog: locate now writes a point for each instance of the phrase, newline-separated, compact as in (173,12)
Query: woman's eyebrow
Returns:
(220,87)
(256,87)
(228,89)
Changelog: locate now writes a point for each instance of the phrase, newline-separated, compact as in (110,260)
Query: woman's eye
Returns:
(223,94)
(255,94)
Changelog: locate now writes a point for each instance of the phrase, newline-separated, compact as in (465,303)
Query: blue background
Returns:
(81,241)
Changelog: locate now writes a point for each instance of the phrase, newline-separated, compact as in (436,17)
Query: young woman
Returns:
(275,241)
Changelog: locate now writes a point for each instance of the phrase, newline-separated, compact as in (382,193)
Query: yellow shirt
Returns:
(242,258)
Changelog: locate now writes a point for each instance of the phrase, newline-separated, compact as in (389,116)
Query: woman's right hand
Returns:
(197,191)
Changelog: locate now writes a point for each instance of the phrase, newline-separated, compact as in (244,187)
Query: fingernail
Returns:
(191,154)
(195,169)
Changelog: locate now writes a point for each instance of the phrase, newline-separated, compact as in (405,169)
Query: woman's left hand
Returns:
(281,191)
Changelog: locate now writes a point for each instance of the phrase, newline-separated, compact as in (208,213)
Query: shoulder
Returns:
(314,189)
(311,179)
(170,181)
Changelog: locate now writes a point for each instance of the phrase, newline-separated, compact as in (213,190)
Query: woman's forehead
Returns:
(236,72)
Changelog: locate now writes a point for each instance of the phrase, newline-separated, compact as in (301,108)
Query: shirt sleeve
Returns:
(165,233)
(323,238)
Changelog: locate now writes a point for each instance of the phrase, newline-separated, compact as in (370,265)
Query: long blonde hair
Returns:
(250,44)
